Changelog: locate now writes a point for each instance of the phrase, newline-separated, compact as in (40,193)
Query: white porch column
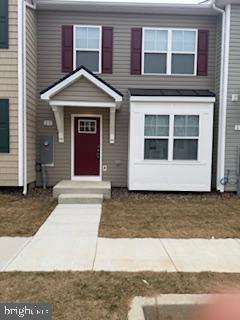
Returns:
(59,117)
(112,120)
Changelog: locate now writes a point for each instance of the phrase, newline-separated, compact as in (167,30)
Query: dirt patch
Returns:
(170,215)
(23,215)
(94,296)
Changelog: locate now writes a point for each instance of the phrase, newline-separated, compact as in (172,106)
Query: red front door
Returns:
(86,146)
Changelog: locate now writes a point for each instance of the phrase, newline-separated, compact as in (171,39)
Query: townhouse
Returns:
(142,95)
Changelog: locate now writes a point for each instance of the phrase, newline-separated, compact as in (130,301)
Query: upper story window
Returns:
(87,47)
(169,51)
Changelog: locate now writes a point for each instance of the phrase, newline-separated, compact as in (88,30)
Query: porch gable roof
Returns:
(75,75)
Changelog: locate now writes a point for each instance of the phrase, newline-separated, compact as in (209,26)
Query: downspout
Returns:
(22,129)
(25,187)
(23,5)
(20,96)
(223,93)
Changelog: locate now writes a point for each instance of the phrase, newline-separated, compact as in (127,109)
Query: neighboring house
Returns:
(136,94)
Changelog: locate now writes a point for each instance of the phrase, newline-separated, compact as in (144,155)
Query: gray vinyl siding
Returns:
(62,156)
(31,89)
(9,90)
(233,108)
(82,90)
(49,71)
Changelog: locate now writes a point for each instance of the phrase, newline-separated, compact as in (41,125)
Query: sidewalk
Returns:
(159,255)
(192,255)
(68,241)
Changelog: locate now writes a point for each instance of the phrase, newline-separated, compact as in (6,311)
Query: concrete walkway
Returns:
(68,240)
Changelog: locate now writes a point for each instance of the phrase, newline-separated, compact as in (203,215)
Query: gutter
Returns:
(124,3)
(223,89)
(116,5)
(31,5)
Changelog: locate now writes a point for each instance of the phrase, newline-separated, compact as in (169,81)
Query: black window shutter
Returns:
(4,125)
(4,24)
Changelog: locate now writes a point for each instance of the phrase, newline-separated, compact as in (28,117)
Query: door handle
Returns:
(98,152)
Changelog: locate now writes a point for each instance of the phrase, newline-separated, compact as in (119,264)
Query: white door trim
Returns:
(85,178)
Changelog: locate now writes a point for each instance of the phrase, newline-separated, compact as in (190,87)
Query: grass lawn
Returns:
(94,296)
(23,215)
(161,215)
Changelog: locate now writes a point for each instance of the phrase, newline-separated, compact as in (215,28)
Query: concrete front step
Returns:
(71,198)
(83,187)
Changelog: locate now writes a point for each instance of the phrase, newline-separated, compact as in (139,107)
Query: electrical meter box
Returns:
(46,149)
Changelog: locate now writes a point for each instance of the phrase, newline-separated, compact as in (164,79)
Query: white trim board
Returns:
(86,178)
(82,104)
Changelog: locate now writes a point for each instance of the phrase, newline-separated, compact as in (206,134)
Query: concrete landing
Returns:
(83,187)
(70,198)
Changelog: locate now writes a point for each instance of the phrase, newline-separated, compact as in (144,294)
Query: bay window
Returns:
(88,47)
(169,51)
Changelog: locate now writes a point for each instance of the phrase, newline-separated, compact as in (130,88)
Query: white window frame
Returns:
(170,52)
(146,137)
(75,49)
(186,137)
(171,137)
(87,132)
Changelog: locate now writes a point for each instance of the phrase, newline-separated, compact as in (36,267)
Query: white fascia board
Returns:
(172,99)
(82,104)
(81,73)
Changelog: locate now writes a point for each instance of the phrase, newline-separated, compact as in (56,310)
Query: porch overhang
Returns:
(51,93)
(171,95)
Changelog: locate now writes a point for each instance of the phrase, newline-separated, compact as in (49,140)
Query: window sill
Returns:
(173,162)
(168,75)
